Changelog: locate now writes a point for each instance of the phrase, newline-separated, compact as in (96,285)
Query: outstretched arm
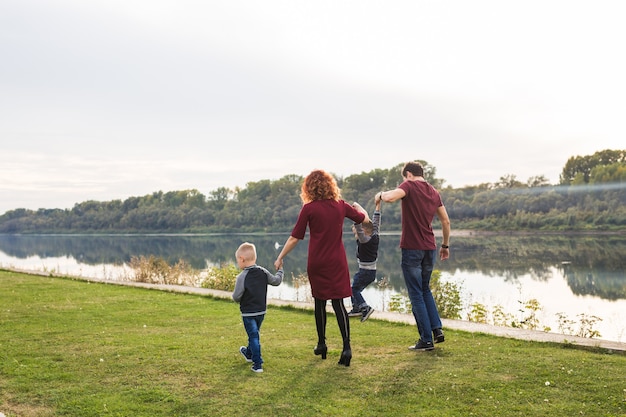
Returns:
(389,196)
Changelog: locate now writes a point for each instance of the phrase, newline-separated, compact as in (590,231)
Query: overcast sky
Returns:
(107,99)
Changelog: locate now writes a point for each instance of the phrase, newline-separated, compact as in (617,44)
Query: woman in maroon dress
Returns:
(324,212)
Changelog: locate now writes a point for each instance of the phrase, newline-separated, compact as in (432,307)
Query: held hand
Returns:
(278,264)
(444,253)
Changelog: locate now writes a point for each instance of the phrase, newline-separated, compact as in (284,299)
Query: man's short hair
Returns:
(414,168)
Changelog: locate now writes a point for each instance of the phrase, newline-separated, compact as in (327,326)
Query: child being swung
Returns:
(367,240)
(251,294)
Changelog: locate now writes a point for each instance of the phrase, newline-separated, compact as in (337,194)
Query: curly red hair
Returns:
(319,185)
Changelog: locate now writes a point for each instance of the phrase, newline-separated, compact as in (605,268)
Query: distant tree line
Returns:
(591,195)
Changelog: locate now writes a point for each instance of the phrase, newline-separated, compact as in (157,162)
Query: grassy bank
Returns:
(73,348)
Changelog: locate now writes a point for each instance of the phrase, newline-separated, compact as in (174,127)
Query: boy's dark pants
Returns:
(361,280)
(253,326)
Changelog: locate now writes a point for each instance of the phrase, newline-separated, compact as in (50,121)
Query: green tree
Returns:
(578,169)
(537,181)
(219,197)
(608,173)
(508,181)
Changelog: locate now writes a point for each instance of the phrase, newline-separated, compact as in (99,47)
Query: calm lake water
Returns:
(568,274)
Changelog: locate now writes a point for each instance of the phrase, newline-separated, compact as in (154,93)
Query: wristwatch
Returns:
(445,247)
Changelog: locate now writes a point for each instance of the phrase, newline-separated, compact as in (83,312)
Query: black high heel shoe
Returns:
(321,350)
(346,357)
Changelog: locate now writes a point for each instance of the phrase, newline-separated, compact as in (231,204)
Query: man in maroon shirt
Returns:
(421,202)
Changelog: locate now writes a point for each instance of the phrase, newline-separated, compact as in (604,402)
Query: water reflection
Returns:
(591,265)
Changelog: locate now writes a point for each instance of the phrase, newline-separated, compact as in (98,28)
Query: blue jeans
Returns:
(417,268)
(362,279)
(253,327)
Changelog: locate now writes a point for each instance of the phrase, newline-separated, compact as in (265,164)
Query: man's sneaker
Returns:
(257,367)
(246,355)
(366,313)
(354,313)
(438,336)
(422,346)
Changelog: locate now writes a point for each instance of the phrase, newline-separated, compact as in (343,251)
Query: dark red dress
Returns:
(327,265)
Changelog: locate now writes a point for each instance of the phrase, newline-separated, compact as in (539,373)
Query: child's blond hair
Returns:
(247,251)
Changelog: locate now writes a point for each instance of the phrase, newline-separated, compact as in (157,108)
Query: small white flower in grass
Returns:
(144,326)
(547,383)
(101,359)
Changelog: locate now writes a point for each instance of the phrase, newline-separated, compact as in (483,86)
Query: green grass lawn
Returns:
(73,348)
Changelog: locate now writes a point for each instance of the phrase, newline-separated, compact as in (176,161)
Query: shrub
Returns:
(529,318)
(447,296)
(155,270)
(500,317)
(221,277)
(399,303)
(478,313)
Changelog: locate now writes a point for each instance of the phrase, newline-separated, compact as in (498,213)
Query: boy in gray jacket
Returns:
(251,294)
